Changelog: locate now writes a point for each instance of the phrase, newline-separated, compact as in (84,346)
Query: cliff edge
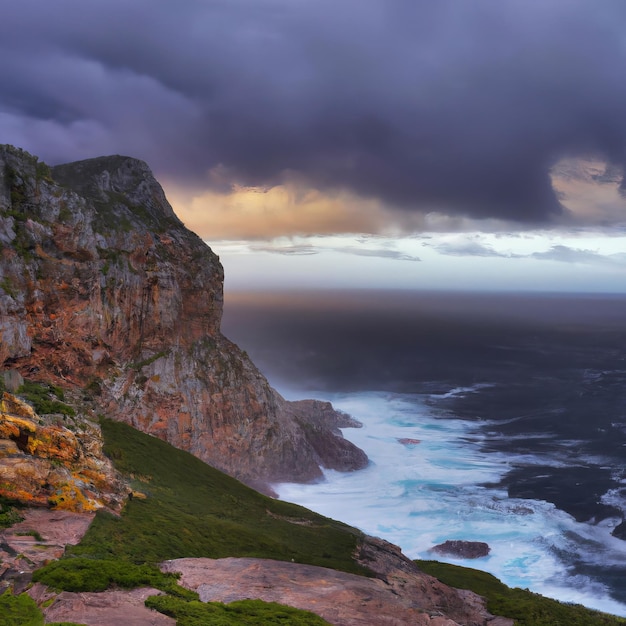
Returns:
(105,293)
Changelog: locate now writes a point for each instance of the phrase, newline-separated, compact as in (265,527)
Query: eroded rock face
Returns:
(102,289)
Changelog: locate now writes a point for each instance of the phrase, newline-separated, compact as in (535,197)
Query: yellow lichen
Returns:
(15,407)
(12,426)
(70,498)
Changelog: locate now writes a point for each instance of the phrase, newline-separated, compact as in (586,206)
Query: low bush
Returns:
(45,398)
(19,610)
(97,575)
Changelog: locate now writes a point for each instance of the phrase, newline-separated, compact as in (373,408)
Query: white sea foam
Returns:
(417,495)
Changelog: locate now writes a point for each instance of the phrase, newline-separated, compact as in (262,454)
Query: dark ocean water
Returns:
(537,382)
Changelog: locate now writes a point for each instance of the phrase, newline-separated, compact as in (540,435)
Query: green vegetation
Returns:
(9,515)
(22,610)
(31,533)
(45,398)
(19,610)
(196,613)
(155,357)
(42,172)
(525,607)
(194,510)
(7,286)
(97,575)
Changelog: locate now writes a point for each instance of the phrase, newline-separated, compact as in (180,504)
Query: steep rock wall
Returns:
(103,290)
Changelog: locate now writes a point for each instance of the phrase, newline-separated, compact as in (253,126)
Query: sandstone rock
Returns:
(404,598)
(105,293)
(108,608)
(39,538)
(462,549)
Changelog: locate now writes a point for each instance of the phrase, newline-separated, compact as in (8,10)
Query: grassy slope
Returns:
(193,510)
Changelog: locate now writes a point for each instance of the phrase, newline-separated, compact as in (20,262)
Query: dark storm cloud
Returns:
(451,106)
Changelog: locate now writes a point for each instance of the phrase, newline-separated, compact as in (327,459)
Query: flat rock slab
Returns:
(56,527)
(340,598)
(21,554)
(107,608)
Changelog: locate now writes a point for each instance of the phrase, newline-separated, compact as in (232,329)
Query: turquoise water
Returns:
(421,493)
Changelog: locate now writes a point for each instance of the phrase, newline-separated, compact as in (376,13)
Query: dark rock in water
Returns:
(620,531)
(408,441)
(462,549)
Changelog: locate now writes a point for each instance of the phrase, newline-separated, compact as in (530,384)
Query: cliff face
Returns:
(104,292)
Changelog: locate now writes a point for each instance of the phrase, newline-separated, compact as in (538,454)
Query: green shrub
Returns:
(525,607)
(81,574)
(251,612)
(45,398)
(9,515)
(19,610)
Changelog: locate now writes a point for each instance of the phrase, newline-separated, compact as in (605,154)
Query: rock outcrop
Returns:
(44,462)
(462,549)
(105,293)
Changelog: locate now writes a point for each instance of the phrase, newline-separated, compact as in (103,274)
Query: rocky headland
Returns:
(105,294)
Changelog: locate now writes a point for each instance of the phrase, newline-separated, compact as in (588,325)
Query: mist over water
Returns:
(519,406)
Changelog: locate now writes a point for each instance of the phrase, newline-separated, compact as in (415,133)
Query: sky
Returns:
(370,143)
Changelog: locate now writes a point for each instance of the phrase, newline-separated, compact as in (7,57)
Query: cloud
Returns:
(302,249)
(470,248)
(306,248)
(449,108)
(382,253)
(257,213)
(567,254)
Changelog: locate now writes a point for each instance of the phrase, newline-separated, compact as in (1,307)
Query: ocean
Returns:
(486,417)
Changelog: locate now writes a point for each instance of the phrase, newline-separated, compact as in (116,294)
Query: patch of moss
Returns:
(525,607)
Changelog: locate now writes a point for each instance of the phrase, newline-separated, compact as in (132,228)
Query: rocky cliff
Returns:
(106,294)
